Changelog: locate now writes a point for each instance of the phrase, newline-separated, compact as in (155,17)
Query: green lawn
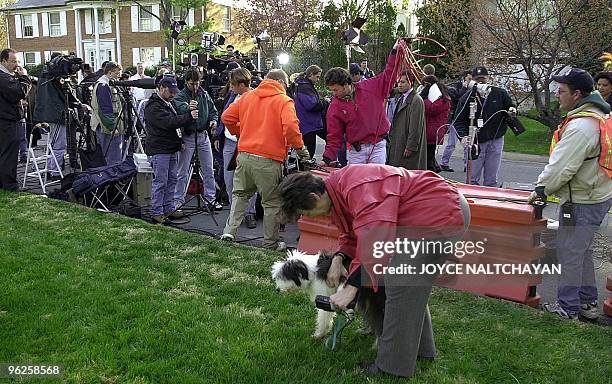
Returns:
(535,141)
(117,300)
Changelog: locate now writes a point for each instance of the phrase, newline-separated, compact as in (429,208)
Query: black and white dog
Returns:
(307,273)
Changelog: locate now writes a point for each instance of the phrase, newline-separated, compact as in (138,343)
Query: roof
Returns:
(27,4)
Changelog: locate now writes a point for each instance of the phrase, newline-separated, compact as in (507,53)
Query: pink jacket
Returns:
(370,202)
(436,118)
(363,119)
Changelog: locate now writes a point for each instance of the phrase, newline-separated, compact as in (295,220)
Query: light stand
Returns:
(471,135)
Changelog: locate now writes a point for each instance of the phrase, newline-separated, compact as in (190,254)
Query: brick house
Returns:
(123,31)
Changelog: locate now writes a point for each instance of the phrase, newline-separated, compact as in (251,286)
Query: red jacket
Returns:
(363,119)
(370,201)
(436,119)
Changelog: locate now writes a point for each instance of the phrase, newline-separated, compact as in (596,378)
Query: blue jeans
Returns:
(57,135)
(450,147)
(206,167)
(488,162)
(577,281)
(164,182)
(23,140)
(111,146)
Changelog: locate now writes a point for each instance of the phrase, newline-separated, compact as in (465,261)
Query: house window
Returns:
(28,28)
(145,18)
(29,58)
(227,19)
(147,56)
(178,12)
(104,21)
(55,29)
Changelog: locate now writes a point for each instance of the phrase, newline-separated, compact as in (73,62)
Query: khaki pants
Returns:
(256,174)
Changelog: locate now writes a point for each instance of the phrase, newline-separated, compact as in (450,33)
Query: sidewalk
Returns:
(514,156)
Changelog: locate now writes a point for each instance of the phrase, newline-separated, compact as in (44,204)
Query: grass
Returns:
(535,141)
(117,300)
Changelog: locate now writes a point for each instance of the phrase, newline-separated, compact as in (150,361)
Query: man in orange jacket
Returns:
(266,123)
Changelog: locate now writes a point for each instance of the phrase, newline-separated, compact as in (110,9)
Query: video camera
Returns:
(65,65)
(514,124)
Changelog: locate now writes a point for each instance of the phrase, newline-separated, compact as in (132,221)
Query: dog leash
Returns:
(342,319)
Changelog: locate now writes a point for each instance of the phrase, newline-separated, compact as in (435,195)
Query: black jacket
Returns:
(161,125)
(494,128)
(50,101)
(12,90)
(455,91)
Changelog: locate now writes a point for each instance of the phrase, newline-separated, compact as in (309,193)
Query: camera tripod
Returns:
(131,122)
(195,173)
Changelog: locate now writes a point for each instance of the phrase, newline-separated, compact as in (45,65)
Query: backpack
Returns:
(605,139)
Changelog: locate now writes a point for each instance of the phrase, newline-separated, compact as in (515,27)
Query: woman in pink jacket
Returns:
(436,117)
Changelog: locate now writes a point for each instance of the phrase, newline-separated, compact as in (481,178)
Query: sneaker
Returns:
(159,219)
(590,310)
(558,310)
(250,221)
(279,246)
(215,206)
(178,214)
(446,168)
(227,237)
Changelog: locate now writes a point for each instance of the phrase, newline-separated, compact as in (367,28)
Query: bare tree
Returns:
(528,41)
(283,19)
(449,22)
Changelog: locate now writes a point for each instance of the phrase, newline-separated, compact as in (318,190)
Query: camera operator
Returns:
(14,86)
(51,108)
(491,122)
(163,128)
(107,103)
(193,96)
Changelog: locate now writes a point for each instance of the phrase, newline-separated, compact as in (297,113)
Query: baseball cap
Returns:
(169,82)
(354,69)
(577,78)
(232,65)
(479,71)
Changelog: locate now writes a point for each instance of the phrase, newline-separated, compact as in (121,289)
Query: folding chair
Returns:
(38,171)
(106,186)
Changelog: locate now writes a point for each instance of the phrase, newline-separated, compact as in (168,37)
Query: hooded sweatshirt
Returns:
(574,161)
(265,121)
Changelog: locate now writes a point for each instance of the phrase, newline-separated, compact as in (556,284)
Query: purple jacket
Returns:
(308,105)
(363,119)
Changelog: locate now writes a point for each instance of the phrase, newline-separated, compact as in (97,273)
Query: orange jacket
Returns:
(265,121)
